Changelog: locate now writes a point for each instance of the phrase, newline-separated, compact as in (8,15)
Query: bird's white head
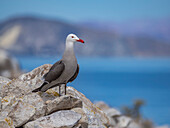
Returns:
(73,38)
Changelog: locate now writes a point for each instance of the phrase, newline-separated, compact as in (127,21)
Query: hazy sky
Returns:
(84,10)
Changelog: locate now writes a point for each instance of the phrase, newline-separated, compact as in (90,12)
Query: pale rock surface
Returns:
(25,83)
(83,123)
(116,119)
(95,116)
(34,79)
(8,103)
(111,113)
(22,113)
(61,119)
(35,100)
(134,125)
(102,105)
(3,81)
(6,123)
(63,103)
(123,121)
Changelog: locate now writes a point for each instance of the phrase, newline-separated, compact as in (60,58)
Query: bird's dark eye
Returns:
(72,37)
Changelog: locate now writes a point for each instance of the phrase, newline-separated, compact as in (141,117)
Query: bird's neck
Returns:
(69,49)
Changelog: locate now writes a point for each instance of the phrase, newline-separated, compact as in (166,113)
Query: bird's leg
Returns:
(59,90)
(65,88)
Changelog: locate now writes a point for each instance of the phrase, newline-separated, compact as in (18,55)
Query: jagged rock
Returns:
(25,83)
(8,103)
(35,78)
(102,105)
(3,81)
(15,87)
(123,121)
(46,96)
(60,119)
(21,113)
(6,123)
(31,105)
(111,113)
(83,123)
(95,116)
(36,101)
(62,103)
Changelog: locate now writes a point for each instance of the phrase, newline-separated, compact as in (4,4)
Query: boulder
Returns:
(25,83)
(22,109)
(134,124)
(123,121)
(116,119)
(63,103)
(95,116)
(34,79)
(21,113)
(102,105)
(111,113)
(61,119)
(35,100)
(83,123)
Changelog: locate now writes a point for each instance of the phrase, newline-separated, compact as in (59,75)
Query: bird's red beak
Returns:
(80,40)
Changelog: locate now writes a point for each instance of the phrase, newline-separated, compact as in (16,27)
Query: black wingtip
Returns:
(36,90)
(39,89)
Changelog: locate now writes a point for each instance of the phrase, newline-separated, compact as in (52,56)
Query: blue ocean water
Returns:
(120,81)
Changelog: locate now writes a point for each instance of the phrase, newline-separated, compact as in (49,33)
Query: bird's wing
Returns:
(75,74)
(55,71)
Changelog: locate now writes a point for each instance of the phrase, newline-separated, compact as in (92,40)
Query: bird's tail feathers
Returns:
(39,89)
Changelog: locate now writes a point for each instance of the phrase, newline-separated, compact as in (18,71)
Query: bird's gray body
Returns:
(63,71)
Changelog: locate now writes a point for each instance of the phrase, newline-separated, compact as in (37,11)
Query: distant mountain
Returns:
(38,36)
(158,29)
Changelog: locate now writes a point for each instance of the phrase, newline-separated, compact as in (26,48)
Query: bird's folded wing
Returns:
(55,71)
(75,74)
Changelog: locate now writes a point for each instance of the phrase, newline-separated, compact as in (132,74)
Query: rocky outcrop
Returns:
(116,119)
(19,107)
(60,119)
